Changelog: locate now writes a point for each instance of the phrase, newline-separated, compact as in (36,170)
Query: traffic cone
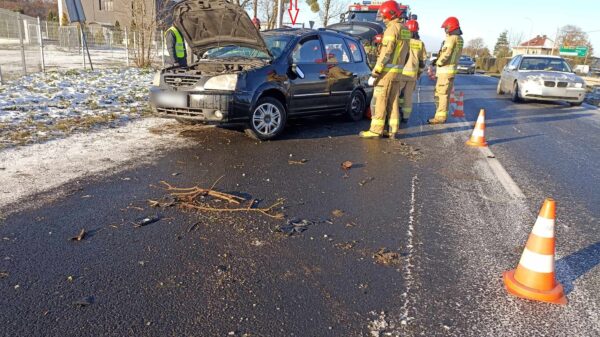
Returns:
(452,100)
(478,136)
(534,278)
(460,106)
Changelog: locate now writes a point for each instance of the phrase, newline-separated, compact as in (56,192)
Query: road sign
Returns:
(579,51)
(75,10)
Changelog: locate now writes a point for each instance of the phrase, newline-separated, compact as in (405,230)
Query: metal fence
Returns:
(29,45)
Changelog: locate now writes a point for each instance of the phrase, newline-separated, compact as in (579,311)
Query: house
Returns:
(539,45)
(106,13)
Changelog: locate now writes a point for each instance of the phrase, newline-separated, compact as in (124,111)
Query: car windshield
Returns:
(545,64)
(363,16)
(232,51)
(465,59)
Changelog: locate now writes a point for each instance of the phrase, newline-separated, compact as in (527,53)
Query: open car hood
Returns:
(207,24)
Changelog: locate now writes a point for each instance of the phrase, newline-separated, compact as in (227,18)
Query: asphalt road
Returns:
(456,217)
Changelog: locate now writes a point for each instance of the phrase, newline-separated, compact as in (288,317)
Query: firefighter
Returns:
(387,73)
(446,68)
(176,47)
(256,22)
(413,68)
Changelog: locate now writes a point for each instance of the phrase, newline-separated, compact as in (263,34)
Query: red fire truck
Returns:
(367,11)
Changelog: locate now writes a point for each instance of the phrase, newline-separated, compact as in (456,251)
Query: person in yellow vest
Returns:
(446,64)
(176,47)
(387,73)
(413,68)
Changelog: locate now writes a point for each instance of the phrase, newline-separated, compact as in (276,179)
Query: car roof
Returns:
(542,56)
(305,31)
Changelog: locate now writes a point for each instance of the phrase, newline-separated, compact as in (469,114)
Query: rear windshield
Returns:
(544,64)
(363,16)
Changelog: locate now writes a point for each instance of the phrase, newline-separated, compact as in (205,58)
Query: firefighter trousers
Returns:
(387,104)
(443,88)
(407,104)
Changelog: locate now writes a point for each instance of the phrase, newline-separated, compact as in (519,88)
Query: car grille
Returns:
(181,81)
(550,84)
(562,84)
(181,112)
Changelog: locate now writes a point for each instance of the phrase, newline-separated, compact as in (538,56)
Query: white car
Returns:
(541,77)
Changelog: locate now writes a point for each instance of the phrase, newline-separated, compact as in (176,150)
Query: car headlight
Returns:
(222,82)
(575,85)
(156,79)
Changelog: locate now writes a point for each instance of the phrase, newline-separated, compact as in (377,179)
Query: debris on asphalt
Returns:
(346,245)
(3,274)
(70,278)
(193,226)
(164,202)
(79,236)
(338,213)
(347,165)
(298,162)
(491,156)
(366,181)
(385,257)
(144,221)
(294,226)
(200,199)
(84,302)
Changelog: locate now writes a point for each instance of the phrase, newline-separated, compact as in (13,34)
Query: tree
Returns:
(64,21)
(330,9)
(118,33)
(52,17)
(573,36)
(502,47)
(314,5)
(476,48)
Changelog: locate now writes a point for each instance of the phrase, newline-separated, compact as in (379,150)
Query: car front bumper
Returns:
(465,70)
(213,107)
(543,93)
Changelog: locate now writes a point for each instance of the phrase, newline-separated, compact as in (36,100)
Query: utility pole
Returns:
(280,14)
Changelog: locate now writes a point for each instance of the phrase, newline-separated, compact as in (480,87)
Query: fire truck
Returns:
(367,11)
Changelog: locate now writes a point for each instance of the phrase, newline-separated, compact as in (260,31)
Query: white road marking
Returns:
(408,264)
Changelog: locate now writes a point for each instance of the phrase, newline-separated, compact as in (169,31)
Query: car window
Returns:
(308,51)
(336,49)
(355,50)
(277,43)
(514,61)
(544,64)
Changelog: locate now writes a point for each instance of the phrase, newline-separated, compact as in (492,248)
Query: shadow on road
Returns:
(572,267)
(506,140)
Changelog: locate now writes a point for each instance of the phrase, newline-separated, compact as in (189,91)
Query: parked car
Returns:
(593,97)
(537,77)
(257,80)
(466,65)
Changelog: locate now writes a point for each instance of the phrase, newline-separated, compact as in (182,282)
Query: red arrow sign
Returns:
(293,12)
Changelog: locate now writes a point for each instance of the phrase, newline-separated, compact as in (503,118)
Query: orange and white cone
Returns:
(460,106)
(534,278)
(452,100)
(478,136)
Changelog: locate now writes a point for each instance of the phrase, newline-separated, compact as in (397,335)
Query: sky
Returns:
(487,19)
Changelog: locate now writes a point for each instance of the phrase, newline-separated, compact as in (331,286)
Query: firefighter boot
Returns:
(368,134)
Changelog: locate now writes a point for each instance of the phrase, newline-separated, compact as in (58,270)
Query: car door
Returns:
(509,73)
(308,85)
(340,71)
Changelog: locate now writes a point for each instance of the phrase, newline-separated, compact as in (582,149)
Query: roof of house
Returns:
(540,41)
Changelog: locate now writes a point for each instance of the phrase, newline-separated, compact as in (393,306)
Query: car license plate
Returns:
(172,100)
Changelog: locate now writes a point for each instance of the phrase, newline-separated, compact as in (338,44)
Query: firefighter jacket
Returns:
(416,60)
(449,55)
(394,50)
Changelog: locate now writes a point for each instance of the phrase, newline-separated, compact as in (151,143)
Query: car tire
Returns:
(267,120)
(357,105)
(515,93)
(499,90)
(576,103)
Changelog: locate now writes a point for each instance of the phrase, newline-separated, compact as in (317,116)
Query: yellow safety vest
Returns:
(179,44)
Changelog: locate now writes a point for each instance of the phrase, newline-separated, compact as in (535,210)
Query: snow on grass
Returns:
(40,107)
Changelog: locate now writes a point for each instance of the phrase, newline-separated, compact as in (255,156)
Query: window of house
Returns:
(105,5)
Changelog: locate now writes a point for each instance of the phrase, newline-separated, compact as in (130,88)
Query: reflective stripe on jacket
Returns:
(394,49)
(450,54)
(416,60)
(179,44)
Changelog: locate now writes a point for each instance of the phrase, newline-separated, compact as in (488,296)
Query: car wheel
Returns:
(515,93)
(267,120)
(499,88)
(356,106)
(576,103)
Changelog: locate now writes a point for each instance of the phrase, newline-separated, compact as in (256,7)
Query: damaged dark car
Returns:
(259,81)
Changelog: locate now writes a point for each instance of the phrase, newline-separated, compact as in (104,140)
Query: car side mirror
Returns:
(297,71)
(512,67)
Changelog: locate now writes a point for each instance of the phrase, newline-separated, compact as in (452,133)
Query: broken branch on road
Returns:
(79,236)
(196,198)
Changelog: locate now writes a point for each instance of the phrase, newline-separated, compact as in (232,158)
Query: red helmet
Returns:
(412,25)
(451,24)
(390,10)
(256,21)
